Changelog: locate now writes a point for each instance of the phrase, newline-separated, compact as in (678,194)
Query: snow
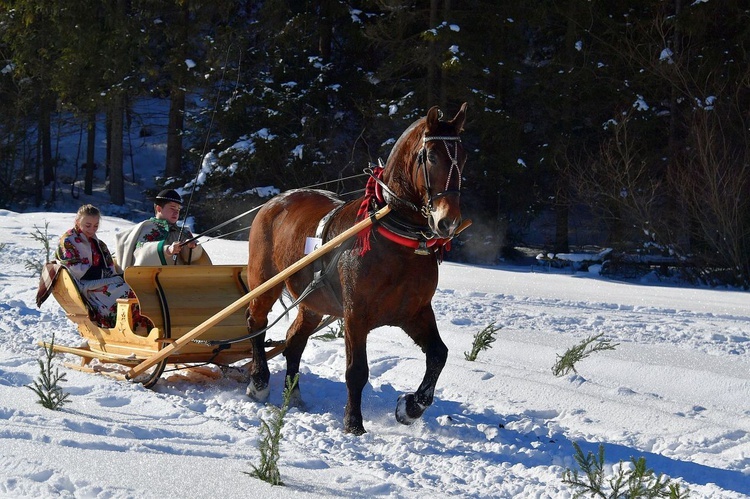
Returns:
(576,257)
(666,55)
(640,104)
(675,391)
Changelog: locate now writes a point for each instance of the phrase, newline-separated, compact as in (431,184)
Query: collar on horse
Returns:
(377,194)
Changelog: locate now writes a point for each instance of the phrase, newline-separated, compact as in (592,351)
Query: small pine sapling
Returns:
(566,362)
(482,341)
(43,237)
(334,331)
(270,432)
(636,481)
(51,394)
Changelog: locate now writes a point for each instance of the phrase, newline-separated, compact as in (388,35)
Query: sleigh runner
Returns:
(175,299)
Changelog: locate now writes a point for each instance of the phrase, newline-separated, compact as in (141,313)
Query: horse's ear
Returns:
(433,116)
(460,118)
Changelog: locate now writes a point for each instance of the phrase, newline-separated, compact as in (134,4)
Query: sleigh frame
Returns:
(174,299)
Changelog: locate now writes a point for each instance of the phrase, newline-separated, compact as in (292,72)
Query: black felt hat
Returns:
(168,195)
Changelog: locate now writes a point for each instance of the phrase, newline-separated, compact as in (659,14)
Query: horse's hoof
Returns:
(353,425)
(408,409)
(295,400)
(355,430)
(258,394)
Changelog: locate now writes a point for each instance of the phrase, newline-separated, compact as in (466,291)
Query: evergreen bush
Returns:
(51,394)
(633,482)
(482,341)
(36,266)
(567,361)
(270,432)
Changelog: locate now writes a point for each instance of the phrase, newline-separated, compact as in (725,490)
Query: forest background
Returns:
(591,122)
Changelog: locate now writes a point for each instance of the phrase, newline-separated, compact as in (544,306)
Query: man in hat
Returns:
(158,240)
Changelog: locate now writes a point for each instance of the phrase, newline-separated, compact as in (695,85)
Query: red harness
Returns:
(412,243)
(374,195)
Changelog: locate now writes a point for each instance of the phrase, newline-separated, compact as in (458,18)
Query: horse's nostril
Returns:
(446,227)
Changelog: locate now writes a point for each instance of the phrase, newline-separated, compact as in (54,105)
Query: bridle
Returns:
(427,207)
(397,228)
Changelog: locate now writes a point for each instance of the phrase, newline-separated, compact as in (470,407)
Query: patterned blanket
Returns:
(47,281)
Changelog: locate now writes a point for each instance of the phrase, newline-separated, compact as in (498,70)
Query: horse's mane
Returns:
(404,136)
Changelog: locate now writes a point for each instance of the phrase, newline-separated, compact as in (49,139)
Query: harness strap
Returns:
(323,224)
(422,158)
(382,192)
(317,282)
(410,241)
(320,233)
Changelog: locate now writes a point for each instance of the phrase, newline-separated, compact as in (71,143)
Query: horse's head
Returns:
(440,164)
(423,172)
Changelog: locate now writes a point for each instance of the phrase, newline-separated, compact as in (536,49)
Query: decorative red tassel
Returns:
(363,238)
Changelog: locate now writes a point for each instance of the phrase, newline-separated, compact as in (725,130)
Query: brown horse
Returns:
(386,277)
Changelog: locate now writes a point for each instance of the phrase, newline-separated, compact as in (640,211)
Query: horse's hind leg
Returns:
(423,330)
(296,340)
(257,320)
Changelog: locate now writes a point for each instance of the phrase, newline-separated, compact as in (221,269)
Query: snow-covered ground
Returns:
(676,391)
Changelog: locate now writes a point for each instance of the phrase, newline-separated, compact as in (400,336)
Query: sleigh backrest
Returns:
(177,298)
(66,292)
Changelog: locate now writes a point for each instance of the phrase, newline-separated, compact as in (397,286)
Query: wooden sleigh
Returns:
(183,303)
(175,299)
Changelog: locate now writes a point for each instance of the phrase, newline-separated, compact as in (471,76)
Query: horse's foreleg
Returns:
(357,373)
(296,341)
(423,330)
(258,388)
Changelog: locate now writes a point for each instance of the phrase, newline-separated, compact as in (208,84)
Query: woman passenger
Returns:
(89,260)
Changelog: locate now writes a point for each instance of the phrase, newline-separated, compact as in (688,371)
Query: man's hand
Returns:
(173,249)
(176,247)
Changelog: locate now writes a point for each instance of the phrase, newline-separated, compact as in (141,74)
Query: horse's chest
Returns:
(394,277)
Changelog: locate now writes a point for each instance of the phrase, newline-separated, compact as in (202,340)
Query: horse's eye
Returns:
(432,158)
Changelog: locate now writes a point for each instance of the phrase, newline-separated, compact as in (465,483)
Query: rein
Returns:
(219,226)
(205,144)
(375,174)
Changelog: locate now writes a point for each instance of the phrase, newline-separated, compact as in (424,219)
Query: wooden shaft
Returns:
(278,278)
(464,225)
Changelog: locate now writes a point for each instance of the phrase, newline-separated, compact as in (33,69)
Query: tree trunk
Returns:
(432,69)
(38,188)
(88,184)
(174,133)
(45,126)
(108,140)
(116,183)
(562,213)
(173,167)
(325,31)
(562,194)
(673,110)
(442,79)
